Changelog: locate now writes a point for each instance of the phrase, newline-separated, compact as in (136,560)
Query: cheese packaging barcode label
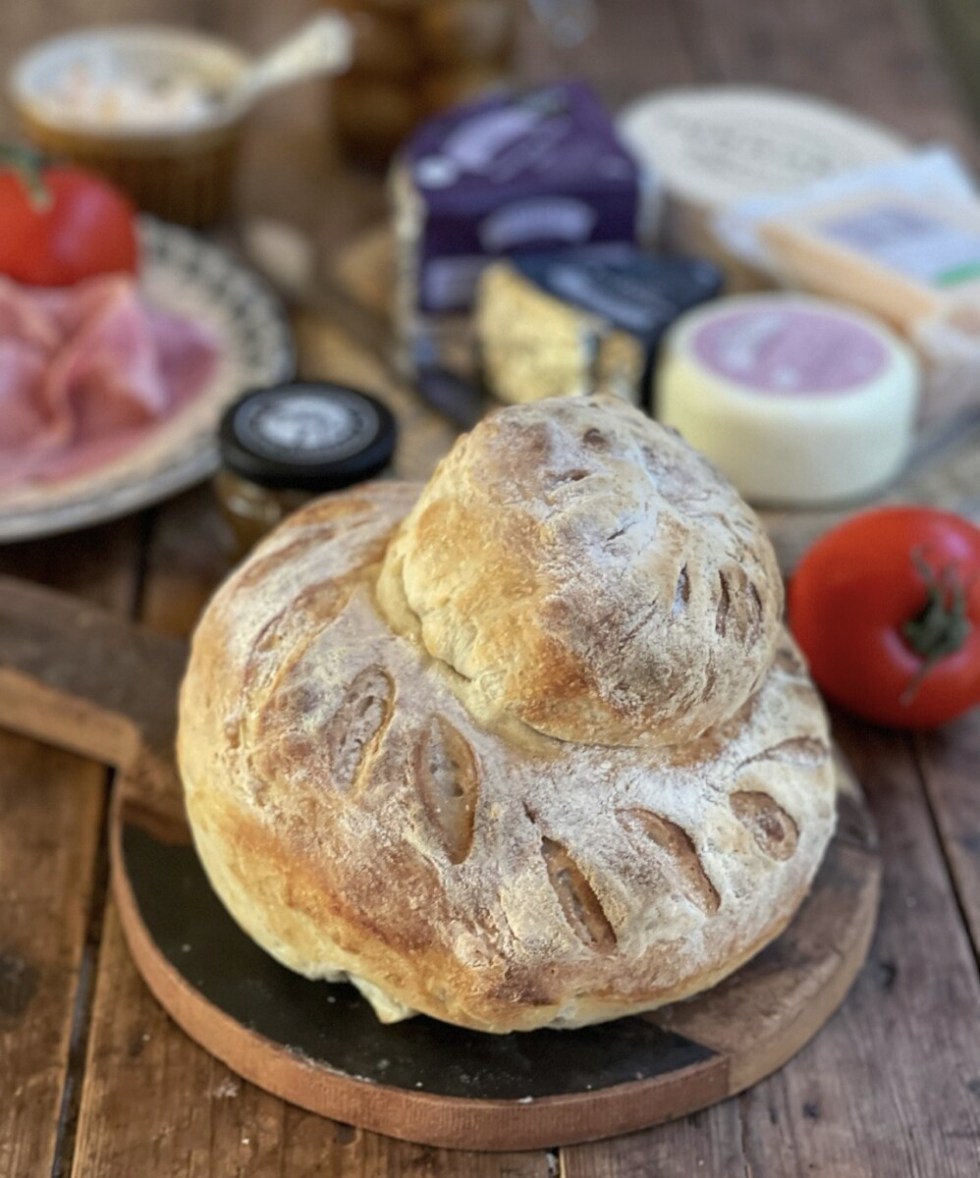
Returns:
(912,242)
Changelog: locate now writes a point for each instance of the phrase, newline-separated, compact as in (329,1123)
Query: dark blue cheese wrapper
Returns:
(582,320)
(508,174)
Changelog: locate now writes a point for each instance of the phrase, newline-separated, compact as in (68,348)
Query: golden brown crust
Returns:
(589,575)
(358,818)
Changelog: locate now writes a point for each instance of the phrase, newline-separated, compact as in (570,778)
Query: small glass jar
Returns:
(282,446)
(413,58)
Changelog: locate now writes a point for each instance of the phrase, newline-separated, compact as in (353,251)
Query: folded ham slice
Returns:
(85,372)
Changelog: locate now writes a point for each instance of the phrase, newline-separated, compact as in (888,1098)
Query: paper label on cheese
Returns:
(924,248)
(509,173)
(620,296)
(555,218)
(483,142)
(639,292)
(790,350)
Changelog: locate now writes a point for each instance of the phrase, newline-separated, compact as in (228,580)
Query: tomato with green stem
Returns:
(886,608)
(60,224)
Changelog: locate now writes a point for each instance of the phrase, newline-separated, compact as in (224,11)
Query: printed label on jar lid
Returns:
(306,425)
(790,350)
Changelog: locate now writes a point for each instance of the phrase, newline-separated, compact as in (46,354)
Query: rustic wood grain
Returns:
(88,656)
(875,1080)
(154,1102)
(636,46)
(890,1086)
(190,550)
(52,880)
(949,761)
(707,1144)
(157,1104)
(99,564)
(873,56)
(150,1093)
(51,807)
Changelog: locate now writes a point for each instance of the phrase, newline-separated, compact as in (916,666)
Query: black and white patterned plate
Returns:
(184,273)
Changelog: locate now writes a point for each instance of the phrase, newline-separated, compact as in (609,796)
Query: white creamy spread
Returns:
(99,93)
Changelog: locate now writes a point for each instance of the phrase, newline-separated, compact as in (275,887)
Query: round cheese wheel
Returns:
(798,401)
(710,145)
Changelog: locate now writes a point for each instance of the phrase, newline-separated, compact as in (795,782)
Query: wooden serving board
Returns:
(83,680)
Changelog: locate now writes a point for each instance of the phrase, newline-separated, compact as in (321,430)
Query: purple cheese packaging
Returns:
(508,174)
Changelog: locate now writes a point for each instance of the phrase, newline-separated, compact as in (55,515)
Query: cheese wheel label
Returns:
(790,350)
(554,218)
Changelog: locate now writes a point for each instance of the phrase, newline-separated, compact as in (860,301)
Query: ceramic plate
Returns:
(183,273)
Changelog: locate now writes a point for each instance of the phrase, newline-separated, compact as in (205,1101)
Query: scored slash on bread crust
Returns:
(364,813)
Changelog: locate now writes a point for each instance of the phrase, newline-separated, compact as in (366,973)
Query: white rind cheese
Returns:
(711,145)
(798,401)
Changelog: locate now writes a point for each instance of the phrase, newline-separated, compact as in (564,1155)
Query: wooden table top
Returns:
(96,1082)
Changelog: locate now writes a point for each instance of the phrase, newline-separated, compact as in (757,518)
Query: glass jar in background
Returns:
(284,445)
(413,58)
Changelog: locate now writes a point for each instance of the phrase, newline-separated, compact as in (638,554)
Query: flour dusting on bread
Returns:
(527,747)
(589,574)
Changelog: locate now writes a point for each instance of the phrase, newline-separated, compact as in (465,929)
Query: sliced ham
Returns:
(106,375)
(186,354)
(27,319)
(27,437)
(22,370)
(85,372)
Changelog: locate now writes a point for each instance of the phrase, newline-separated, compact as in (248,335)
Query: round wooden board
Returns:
(320,1046)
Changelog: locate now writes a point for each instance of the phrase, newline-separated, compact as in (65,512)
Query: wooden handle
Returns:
(77,677)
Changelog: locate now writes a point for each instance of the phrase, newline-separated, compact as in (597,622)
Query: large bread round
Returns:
(361,817)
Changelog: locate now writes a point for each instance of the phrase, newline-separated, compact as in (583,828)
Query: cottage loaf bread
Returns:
(371,785)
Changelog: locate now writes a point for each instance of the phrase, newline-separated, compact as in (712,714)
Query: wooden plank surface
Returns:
(891,1086)
(844,1109)
(949,762)
(51,810)
(53,873)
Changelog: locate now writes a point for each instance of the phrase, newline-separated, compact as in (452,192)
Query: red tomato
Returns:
(61,224)
(887,610)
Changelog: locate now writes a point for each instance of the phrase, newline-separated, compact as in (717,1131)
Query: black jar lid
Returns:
(307,436)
